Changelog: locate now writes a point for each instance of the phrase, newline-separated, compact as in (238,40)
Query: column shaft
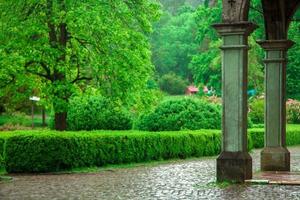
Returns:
(275,156)
(234,163)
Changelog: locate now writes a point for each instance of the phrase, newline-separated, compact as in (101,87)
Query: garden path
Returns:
(187,179)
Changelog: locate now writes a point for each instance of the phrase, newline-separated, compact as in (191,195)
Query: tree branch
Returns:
(43,65)
(81,79)
(78,78)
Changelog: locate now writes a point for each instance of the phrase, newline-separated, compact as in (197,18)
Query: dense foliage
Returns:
(293,68)
(2,165)
(71,44)
(200,62)
(293,111)
(292,136)
(257,110)
(172,84)
(58,49)
(96,113)
(180,114)
(174,41)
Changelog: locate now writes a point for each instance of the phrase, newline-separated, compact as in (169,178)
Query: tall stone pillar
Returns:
(234,162)
(275,156)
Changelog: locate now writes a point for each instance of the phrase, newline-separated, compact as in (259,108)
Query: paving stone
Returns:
(189,179)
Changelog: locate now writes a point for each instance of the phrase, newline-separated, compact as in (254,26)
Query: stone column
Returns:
(275,156)
(234,162)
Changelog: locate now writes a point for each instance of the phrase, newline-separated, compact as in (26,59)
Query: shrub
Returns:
(257,135)
(292,136)
(257,111)
(53,151)
(188,113)
(95,113)
(2,109)
(293,111)
(172,84)
(2,163)
(46,151)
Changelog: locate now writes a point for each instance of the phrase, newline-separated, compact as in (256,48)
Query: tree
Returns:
(293,68)
(206,64)
(70,43)
(174,41)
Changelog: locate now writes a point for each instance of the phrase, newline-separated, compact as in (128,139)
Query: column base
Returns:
(234,166)
(275,159)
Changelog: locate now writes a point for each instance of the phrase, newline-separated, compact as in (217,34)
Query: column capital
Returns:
(238,28)
(276,45)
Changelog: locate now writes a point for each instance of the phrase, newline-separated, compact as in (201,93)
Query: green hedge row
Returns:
(54,151)
(48,151)
(292,136)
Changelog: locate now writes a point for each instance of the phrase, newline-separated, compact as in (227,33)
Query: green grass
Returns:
(22,120)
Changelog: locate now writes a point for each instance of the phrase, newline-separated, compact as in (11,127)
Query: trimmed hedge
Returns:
(48,151)
(54,151)
(292,136)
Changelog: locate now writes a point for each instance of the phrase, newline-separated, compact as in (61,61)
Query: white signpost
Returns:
(33,99)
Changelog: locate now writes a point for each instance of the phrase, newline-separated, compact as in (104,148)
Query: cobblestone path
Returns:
(189,179)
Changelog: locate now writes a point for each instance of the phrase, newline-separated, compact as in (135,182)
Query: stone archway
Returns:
(234,162)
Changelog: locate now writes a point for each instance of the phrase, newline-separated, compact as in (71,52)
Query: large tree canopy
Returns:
(174,42)
(67,42)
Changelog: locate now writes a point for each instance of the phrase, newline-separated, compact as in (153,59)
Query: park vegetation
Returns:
(126,54)
(122,65)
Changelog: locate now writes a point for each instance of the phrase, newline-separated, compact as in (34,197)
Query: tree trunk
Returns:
(61,121)
(44,117)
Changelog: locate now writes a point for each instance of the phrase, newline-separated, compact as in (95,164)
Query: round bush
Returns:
(172,84)
(181,114)
(256,113)
(97,113)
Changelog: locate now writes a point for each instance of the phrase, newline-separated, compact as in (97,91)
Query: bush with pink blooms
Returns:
(293,111)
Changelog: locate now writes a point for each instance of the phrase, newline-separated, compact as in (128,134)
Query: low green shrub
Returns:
(97,113)
(2,146)
(181,114)
(54,151)
(2,143)
(257,135)
(292,136)
(256,113)
(2,167)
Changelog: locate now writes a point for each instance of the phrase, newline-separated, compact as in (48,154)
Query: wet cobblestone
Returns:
(190,179)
